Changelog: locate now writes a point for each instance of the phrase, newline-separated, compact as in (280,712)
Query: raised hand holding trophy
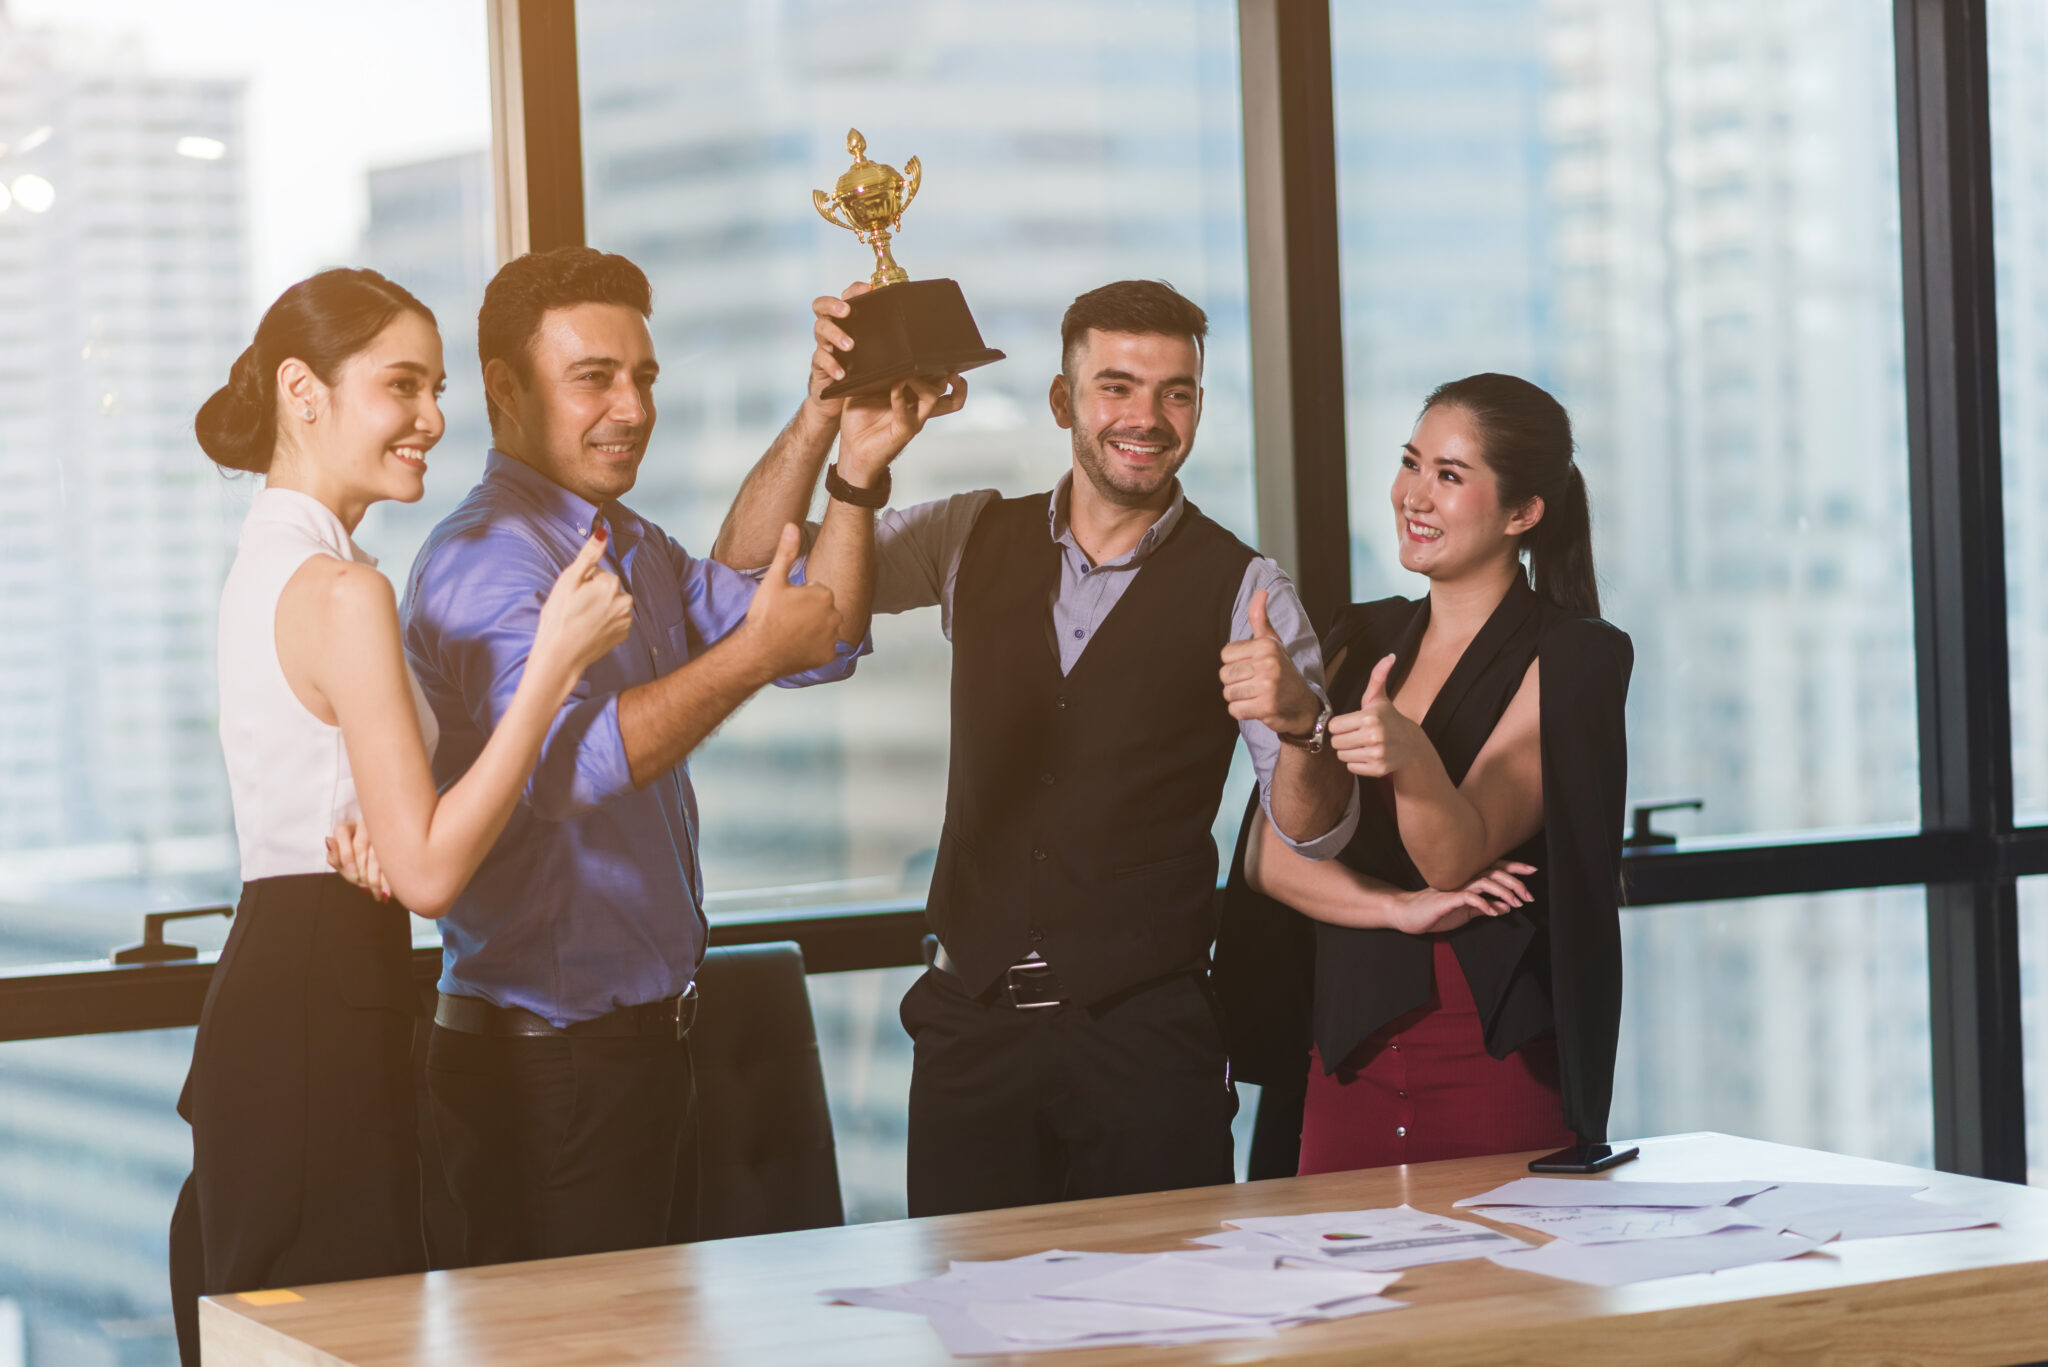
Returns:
(902,327)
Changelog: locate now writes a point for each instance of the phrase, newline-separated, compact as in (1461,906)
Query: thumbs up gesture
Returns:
(1377,740)
(791,627)
(1261,683)
(586,615)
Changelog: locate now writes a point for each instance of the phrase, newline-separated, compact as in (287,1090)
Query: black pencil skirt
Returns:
(305,1149)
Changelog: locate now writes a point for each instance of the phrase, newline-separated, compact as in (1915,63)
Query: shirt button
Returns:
(1400,1131)
(1037,937)
(1038,854)
(1079,633)
(1061,701)
(1046,779)
(1395,1047)
(1402,1095)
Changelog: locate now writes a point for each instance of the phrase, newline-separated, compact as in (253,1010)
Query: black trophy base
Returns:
(920,327)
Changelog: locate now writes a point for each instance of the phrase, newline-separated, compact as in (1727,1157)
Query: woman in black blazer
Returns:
(1451,983)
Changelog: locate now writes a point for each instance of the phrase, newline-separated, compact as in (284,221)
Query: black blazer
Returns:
(1553,966)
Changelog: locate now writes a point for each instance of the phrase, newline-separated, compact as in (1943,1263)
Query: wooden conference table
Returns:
(1975,1296)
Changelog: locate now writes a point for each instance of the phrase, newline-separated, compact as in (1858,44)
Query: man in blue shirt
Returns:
(558,1074)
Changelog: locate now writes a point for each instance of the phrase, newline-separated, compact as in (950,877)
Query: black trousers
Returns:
(305,1152)
(560,1145)
(1016,1108)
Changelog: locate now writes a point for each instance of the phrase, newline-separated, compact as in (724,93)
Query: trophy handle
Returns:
(913,176)
(828,209)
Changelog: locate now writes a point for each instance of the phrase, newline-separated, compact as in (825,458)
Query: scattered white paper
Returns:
(1621,1264)
(1832,1210)
(1620,1224)
(1364,1305)
(1202,1281)
(1066,1321)
(966,1282)
(1382,1240)
(1602,1191)
(1027,1305)
(1249,1240)
(1035,1274)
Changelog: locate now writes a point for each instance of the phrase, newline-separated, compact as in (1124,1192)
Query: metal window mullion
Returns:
(1958,538)
(1296,305)
(536,126)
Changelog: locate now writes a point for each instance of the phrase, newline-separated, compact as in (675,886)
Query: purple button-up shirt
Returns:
(593,897)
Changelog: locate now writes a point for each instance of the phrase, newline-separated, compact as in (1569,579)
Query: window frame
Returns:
(1968,852)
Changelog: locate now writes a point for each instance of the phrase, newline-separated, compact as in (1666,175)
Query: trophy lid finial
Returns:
(856,145)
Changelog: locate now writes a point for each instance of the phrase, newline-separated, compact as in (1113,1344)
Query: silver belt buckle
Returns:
(1031,968)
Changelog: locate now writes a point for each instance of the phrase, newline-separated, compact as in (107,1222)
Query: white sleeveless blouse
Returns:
(288,771)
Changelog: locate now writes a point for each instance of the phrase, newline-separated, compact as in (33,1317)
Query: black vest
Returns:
(1078,808)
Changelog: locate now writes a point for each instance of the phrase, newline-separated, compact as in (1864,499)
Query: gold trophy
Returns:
(902,327)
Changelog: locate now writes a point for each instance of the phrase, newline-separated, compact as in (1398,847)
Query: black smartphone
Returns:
(1583,1158)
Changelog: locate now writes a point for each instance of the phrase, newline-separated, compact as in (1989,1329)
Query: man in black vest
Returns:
(1066,1045)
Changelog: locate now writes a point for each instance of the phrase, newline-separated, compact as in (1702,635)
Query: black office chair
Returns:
(764,1158)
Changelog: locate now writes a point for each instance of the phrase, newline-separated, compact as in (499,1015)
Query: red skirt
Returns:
(1423,1087)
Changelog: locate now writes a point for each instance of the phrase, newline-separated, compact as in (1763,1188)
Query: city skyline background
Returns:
(1681,218)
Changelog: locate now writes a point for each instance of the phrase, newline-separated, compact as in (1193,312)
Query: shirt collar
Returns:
(310,515)
(1062,531)
(574,512)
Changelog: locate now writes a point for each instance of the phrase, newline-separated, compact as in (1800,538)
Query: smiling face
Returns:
(1447,510)
(583,411)
(379,418)
(1132,401)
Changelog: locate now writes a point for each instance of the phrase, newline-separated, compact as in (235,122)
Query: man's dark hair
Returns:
(1136,306)
(521,293)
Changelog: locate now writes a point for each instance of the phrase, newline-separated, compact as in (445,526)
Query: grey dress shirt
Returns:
(917,560)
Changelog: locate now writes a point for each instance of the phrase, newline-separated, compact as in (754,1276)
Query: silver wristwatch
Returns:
(1318,734)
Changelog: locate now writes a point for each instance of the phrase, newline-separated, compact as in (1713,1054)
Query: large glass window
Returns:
(2019,186)
(1064,145)
(1796,1019)
(91,1157)
(167,171)
(866,1061)
(1682,219)
(2033,895)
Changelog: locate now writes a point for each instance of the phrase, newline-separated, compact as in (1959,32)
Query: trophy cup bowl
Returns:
(901,327)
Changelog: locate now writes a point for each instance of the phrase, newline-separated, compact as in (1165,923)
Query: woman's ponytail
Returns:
(1527,437)
(1561,549)
(237,427)
(323,320)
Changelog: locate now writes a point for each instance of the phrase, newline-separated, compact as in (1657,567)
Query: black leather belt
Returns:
(670,1018)
(1030,985)
(1026,986)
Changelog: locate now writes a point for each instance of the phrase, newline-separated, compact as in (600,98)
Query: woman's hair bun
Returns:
(237,427)
(322,321)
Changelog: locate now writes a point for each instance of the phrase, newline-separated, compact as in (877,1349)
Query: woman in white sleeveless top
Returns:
(305,1163)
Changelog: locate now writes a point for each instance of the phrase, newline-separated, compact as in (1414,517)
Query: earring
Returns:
(309,412)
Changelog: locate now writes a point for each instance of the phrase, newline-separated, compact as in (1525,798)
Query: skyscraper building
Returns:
(1682,220)
(122,262)
(2018,31)
(122,254)
(1057,166)
(1063,146)
(1722,187)
(430,229)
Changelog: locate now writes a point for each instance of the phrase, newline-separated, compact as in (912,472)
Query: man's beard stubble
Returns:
(1088,453)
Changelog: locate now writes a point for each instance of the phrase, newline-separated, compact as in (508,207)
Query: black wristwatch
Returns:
(875,497)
